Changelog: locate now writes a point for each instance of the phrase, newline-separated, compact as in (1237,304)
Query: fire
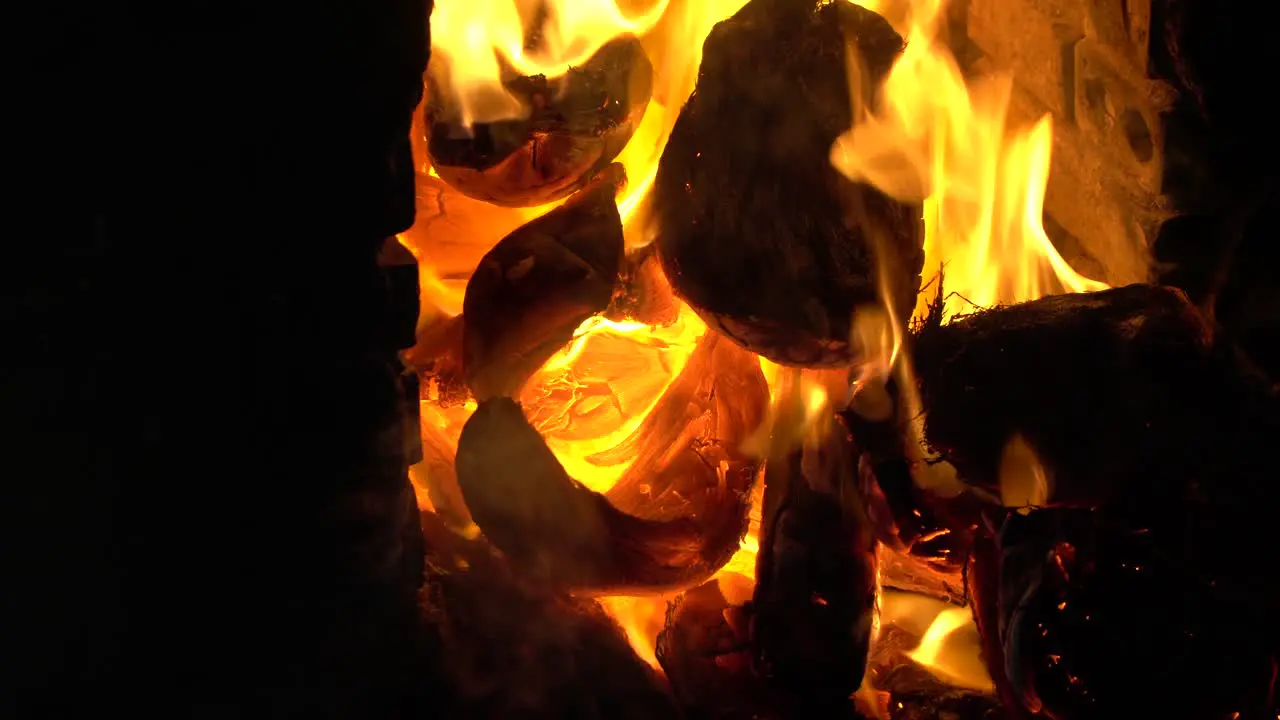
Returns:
(933,138)
(938,139)
(949,644)
(473,39)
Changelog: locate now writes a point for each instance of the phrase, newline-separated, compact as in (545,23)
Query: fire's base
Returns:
(501,646)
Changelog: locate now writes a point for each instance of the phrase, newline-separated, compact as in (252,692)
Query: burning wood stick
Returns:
(577,125)
(813,609)
(538,284)
(982,584)
(929,534)
(761,235)
(555,529)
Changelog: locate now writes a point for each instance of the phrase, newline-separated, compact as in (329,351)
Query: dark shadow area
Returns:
(203,420)
(1221,168)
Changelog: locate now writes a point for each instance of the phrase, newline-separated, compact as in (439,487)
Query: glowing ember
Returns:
(592,395)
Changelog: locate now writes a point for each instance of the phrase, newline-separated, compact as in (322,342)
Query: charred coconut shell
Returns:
(768,242)
(577,124)
(537,285)
(560,533)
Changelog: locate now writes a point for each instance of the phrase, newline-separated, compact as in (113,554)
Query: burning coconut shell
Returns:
(556,530)
(1122,397)
(760,234)
(538,284)
(577,125)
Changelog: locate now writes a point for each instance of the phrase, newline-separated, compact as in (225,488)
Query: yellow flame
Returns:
(949,649)
(641,618)
(876,336)
(934,137)
(473,39)
(567,357)
(1024,480)
(949,646)
(800,401)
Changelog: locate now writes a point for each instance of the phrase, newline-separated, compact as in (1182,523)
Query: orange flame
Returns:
(936,138)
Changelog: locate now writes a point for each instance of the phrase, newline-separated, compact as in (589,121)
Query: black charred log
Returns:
(557,530)
(537,285)
(204,448)
(760,234)
(812,612)
(577,125)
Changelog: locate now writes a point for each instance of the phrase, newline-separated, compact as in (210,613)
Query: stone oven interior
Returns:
(743,364)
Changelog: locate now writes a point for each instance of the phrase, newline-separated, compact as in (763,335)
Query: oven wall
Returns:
(1087,64)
